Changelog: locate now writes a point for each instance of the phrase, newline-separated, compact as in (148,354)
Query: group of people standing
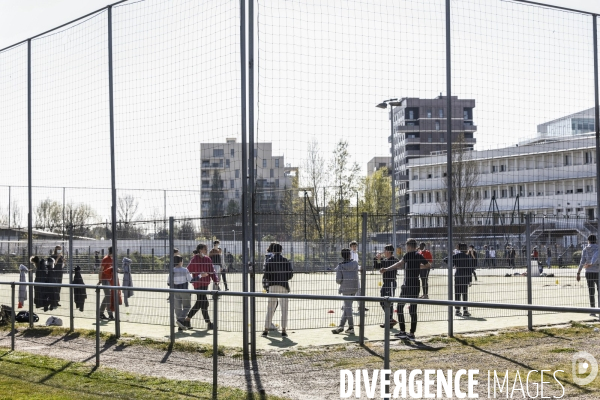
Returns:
(48,270)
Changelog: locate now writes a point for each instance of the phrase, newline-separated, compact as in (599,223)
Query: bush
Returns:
(577,256)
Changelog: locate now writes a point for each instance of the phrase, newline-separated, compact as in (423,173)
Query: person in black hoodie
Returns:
(57,274)
(464,265)
(277,272)
(41,297)
(388,288)
(412,263)
(79,294)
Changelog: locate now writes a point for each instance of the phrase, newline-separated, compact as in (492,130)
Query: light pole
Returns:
(392,103)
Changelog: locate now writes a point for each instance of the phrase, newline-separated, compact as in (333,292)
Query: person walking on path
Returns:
(548,257)
(388,288)
(589,262)
(424,273)
(278,271)
(181,301)
(346,275)
(412,262)
(202,271)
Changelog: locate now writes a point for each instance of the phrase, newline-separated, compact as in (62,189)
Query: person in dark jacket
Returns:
(464,265)
(388,288)
(412,263)
(41,297)
(278,271)
(57,273)
(79,294)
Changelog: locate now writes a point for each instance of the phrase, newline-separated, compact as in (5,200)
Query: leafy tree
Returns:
(378,200)
(187,231)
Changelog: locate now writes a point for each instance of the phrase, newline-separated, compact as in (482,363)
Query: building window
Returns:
(411,114)
(437,197)
(205,163)
(237,173)
(227,163)
(567,160)
(502,168)
(237,193)
(485,194)
(231,184)
(276,183)
(414,198)
(264,163)
(441,113)
(232,152)
(494,168)
(512,191)
(588,157)
(437,125)
(429,113)
(277,163)
(494,193)
(429,197)
(205,174)
(271,173)
(422,197)
(218,153)
(205,184)
(503,193)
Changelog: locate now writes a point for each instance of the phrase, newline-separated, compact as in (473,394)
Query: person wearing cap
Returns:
(589,262)
(388,288)
(412,262)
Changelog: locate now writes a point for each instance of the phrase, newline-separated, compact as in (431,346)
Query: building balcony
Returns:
(407,128)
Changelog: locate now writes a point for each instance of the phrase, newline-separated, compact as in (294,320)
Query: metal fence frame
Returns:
(248,133)
(215,294)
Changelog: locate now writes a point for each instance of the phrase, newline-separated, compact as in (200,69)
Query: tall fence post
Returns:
(71,299)
(171,295)
(596,118)
(29,190)
(449,165)
(12,316)
(529,286)
(112,174)
(215,343)
(363,281)
(97,326)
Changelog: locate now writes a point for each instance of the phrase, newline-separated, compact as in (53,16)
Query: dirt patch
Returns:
(314,373)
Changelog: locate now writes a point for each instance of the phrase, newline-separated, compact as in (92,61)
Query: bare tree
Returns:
(314,173)
(48,215)
(127,207)
(464,179)
(78,216)
(16,214)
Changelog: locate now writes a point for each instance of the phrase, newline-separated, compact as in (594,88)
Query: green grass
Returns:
(27,376)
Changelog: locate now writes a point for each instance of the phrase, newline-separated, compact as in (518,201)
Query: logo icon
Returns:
(585,368)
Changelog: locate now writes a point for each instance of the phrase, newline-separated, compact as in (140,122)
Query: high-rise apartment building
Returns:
(221,177)
(420,130)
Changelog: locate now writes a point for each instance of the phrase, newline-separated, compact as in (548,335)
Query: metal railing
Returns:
(215,294)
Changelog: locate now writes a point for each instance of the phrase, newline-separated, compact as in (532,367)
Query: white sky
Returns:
(323,67)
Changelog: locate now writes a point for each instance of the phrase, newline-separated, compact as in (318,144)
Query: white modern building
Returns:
(221,177)
(546,177)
